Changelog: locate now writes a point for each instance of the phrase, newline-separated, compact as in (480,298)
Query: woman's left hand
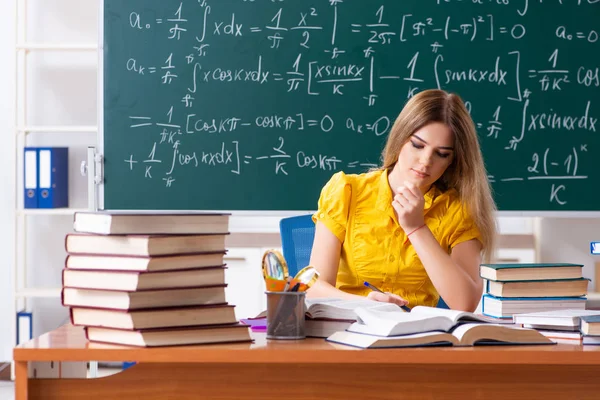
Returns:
(409,204)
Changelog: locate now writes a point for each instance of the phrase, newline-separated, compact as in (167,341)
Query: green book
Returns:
(531,271)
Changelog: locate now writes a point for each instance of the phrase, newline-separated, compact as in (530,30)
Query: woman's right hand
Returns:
(387,298)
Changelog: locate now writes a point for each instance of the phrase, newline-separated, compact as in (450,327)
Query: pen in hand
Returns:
(375,289)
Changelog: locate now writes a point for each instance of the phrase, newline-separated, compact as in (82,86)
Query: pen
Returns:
(375,289)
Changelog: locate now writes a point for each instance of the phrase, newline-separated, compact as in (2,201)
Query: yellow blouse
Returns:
(358,210)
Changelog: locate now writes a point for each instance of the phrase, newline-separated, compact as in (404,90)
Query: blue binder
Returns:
(53,177)
(24,326)
(30,177)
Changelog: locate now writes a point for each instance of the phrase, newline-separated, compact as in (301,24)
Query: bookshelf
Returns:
(30,52)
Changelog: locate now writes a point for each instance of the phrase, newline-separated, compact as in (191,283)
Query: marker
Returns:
(375,289)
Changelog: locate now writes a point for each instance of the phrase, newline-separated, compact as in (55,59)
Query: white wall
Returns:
(568,240)
(61,90)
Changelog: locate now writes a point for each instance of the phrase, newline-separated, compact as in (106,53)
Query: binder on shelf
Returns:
(30,177)
(53,177)
(24,326)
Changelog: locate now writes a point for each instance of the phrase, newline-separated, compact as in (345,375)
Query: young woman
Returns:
(418,226)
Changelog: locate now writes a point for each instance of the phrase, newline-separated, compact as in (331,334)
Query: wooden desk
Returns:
(312,369)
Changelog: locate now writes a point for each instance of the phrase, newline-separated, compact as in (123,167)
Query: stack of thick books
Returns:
(526,288)
(561,326)
(150,279)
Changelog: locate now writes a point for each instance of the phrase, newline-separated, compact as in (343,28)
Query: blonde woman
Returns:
(418,227)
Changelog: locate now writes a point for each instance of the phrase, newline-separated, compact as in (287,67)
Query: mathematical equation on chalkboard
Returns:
(320,50)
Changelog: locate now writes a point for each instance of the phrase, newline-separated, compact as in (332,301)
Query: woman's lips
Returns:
(419,173)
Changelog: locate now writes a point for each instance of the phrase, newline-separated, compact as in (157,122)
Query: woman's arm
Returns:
(325,257)
(455,276)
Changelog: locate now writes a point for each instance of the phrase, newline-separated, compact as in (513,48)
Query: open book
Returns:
(341,309)
(462,335)
(420,319)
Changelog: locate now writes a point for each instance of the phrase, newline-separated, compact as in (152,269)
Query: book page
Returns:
(469,334)
(343,309)
(453,315)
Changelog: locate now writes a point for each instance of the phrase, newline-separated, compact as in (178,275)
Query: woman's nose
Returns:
(426,158)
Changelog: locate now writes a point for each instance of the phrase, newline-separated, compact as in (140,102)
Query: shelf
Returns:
(38,292)
(58,128)
(57,47)
(49,211)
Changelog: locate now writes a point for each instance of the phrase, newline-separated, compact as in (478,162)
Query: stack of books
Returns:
(561,326)
(149,279)
(526,288)
(590,329)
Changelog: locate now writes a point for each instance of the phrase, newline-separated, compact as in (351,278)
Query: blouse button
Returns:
(392,258)
(397,232)
(322,215)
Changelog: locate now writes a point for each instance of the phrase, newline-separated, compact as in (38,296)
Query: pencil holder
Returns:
(285,315)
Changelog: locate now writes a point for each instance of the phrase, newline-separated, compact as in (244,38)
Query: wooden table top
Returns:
(68,343)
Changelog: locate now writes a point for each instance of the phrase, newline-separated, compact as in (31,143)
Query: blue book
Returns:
(30,177)
(53,177)
(24,326)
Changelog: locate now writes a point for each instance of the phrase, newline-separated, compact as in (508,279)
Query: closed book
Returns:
(555,319)
(113,223)
(324,327)
(133,281)
(544,288)
(593,340)
(590,325)
(170,336)
(120,300)
(138,263)
(531,271)
(506,307)
(462,335)
(153,318)
(562,336)
(143,245)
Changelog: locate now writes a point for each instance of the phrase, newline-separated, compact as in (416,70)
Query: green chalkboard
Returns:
(254,104)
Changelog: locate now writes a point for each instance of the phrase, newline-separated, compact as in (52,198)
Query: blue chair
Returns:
(297,236)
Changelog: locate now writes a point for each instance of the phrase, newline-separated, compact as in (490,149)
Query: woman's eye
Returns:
(443,155)
(416,145)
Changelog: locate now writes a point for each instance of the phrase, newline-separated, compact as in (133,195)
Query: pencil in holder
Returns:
(285,315)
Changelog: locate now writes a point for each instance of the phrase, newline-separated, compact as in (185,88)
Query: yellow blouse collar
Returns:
(384,195)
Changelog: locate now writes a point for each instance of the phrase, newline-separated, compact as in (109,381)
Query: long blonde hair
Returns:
(466,173)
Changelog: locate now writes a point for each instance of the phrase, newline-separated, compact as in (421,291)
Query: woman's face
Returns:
(425,156)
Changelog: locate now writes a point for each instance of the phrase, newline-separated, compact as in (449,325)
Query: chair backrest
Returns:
(297,234)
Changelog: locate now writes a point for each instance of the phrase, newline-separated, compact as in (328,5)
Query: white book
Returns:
(556,318)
